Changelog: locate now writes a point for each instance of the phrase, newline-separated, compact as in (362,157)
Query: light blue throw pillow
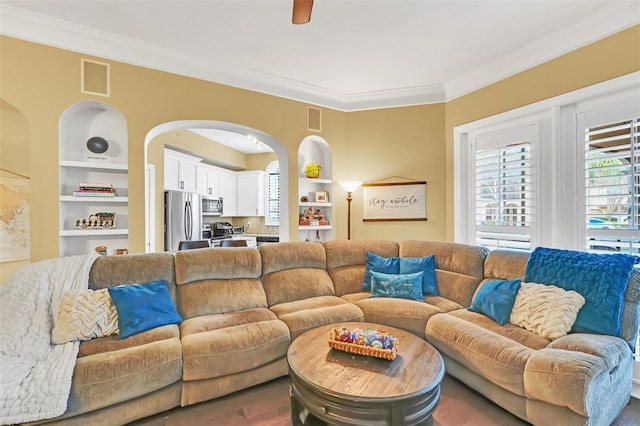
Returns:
(142,307)
(386,265)
(495,299)
(402,286)
(409,265)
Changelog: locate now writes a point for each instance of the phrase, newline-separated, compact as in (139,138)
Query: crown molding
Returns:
(613,19)
(17,23)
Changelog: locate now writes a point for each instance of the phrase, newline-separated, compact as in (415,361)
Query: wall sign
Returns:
(394,201)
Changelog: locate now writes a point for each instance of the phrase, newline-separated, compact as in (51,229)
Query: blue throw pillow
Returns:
(600,278)
(495,299)
(402,286)
(409,265)
(142,307)
(386,265)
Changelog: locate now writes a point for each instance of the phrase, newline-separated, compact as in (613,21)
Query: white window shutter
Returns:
(611,185)
(505,196)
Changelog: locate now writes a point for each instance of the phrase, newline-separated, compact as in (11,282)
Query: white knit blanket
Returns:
(35,375)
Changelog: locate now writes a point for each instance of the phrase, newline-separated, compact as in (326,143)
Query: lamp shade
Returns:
(350,185)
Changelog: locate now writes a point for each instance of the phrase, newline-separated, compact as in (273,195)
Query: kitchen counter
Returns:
(266,234)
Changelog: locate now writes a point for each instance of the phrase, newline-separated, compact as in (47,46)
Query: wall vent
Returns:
(314,119)
(95,77)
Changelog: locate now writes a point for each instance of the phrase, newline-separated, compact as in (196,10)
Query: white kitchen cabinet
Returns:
(228,189)
(180,171)
(208,183)
(251,241)
(250,193)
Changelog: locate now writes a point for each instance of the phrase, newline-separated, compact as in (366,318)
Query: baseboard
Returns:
(635,388)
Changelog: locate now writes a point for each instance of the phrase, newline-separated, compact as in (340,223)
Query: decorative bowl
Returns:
(312,170)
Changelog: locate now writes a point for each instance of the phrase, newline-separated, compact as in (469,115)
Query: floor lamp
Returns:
(349,186)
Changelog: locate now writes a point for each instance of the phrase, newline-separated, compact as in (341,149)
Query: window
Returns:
(504,188)
(574,183)
(272,216)
(611,158)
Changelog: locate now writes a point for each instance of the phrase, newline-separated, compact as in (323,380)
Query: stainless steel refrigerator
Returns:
(182,218)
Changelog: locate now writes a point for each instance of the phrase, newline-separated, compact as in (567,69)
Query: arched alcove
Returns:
(153,193)
(80,166)
(318,191)
(15,199)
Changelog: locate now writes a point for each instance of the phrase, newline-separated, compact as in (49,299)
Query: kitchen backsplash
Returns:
(257,224)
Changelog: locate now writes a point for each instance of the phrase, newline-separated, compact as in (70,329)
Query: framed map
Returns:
(14,217)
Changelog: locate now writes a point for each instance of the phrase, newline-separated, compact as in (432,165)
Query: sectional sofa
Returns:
(242,307)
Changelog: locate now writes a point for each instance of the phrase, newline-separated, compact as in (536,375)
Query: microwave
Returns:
(212,206)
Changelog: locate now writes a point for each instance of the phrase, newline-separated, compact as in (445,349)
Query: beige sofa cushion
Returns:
(113,343)
(497,358)
(303,315)
(504,264)
(220,345)
(347,259)
(109,377)
(409,315)
(459,267)
(218,280)
(512,332)
(294,271)
(111,271)
(582,372)
(217,264)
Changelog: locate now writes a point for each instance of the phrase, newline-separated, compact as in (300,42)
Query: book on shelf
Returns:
(96,185)
(86,189)
(94,193)
(100,187)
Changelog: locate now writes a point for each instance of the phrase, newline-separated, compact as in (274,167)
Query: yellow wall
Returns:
(409,142)
(42,82)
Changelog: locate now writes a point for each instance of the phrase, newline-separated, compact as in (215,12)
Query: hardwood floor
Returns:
(269,405)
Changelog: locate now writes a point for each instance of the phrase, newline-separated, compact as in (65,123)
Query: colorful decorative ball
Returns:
(360,340)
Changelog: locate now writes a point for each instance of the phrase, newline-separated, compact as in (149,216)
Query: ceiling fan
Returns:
(301,11)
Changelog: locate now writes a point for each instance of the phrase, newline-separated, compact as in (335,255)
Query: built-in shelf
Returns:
(94,165)
(312,204)
(314,149)
(316,180)
(73,198)
(314,227)
(91,232)
(77,164)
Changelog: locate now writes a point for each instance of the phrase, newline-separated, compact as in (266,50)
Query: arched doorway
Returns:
(153,204)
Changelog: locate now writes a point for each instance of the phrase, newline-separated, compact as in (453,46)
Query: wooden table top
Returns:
(418,366)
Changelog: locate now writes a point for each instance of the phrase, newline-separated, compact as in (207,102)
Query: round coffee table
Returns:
(342,388)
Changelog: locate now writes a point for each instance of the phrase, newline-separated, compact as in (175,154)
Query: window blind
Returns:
(504,196)
(612,187)
(273,196)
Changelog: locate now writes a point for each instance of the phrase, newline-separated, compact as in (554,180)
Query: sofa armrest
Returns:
(582,372)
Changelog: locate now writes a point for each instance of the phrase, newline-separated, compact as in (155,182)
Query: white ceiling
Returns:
(238,141)
(353,55)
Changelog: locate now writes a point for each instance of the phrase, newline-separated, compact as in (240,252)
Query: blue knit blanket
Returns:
(600,278)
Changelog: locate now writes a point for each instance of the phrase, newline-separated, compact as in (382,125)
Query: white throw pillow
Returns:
(84,315)
(547,310)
